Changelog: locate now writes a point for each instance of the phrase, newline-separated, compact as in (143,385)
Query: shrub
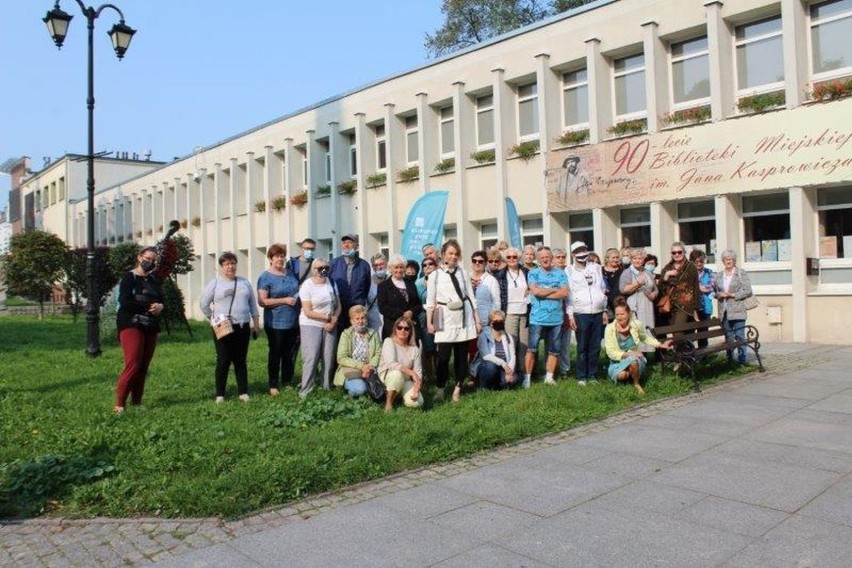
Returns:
(761,103)
(573,137)
(26,486)
(323,190)
(348,187)
(445,165)
(184,223)
(525,150)
(687,116)
(279,203)
(300,199)
(377,179)
(483,156)
(409,174)
(831,90)
(637,126)
(260,206)
(196,222)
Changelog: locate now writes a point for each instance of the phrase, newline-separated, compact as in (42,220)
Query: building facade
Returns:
(721,124)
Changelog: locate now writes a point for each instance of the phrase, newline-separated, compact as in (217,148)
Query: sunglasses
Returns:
(493,260)
(512,257)
(478,261)
(677,252)
(496,321)
(403,328)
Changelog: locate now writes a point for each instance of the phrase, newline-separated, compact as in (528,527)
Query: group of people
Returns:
(403,321)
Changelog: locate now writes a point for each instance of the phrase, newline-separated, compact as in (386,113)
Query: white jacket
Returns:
(588,290)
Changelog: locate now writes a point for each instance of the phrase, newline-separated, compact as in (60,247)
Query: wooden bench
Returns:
(685,354)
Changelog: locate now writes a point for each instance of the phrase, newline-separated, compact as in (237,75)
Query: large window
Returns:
(448,141)
(831,30)
(581,228)
(412,150)
(690,71)
(528,111)
(532,231)
(485,121)
(766,225)
(697,226)
(575,99)
(381,148)
(835,222)
(487,235)
(636,227)
(629,76)
(760,59)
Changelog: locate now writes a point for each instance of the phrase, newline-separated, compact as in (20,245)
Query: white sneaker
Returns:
(550,381)
(526,383)
(244,397)
(220,399)
(581,383)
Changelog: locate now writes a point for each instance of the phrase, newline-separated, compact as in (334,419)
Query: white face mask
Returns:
(650,267)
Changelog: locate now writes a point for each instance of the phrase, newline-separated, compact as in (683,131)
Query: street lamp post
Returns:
(57,25)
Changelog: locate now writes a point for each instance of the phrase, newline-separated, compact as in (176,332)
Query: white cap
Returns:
(577,245)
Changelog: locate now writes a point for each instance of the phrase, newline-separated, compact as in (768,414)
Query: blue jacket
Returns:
(357,292)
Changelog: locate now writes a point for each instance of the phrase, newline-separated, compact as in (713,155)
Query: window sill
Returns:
(767,266)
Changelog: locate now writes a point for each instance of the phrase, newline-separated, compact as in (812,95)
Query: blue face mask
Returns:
(351,253)
(650,267)
(309,254)
(381,274)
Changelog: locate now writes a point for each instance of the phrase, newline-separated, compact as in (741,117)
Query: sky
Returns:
(196,72)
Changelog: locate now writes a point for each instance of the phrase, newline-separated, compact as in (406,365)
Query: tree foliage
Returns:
(76,287)
(34,265)
(468,22)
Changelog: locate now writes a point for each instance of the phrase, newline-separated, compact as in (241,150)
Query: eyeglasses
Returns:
(493,261)
(512,257)
(478,261)
(425,264)
(677,252)
(496,321)
(403,328)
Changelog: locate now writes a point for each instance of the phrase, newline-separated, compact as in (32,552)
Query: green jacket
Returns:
(345,362)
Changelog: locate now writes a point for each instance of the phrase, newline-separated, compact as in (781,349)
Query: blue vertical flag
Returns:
(513,224)
(425,224)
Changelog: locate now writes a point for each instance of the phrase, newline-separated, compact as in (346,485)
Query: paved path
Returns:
(754,472)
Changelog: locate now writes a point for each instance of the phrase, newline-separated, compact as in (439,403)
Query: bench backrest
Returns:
(707,329)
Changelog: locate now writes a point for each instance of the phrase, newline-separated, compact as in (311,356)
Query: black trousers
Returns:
(282,356)
(233,349)
(459,353)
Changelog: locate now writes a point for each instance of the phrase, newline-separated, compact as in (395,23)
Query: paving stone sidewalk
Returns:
(120,542)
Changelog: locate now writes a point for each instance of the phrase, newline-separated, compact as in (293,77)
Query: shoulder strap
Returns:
(231,307)
(302,276)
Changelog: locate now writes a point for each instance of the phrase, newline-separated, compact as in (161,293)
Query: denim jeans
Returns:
(735,329)
(552,335)
(589,334)
(490,376)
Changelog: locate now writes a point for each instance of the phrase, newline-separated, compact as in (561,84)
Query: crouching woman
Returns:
(357,353)
(624,338)
(400,367)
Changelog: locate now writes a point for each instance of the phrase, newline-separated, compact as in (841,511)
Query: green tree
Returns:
(468,22)
(76,286)
(122,257)
(34,265)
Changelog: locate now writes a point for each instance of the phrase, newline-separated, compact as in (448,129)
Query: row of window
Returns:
(759,68)
(49,195)
(766,225)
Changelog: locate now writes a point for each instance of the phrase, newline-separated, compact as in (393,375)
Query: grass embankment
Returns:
(63,452)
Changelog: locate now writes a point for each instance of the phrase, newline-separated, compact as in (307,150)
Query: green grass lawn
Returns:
(62,451)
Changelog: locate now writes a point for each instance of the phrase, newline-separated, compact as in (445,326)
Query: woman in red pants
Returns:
(140,299)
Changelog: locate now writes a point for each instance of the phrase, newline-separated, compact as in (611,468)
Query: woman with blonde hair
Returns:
(358,353)
(400,366)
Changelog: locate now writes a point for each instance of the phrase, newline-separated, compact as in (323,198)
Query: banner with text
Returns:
(425,224)
(809,145)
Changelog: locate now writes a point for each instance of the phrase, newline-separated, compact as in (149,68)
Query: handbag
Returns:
(375,387)
(751,302)
(664,304)
(144,321)
(223,326)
